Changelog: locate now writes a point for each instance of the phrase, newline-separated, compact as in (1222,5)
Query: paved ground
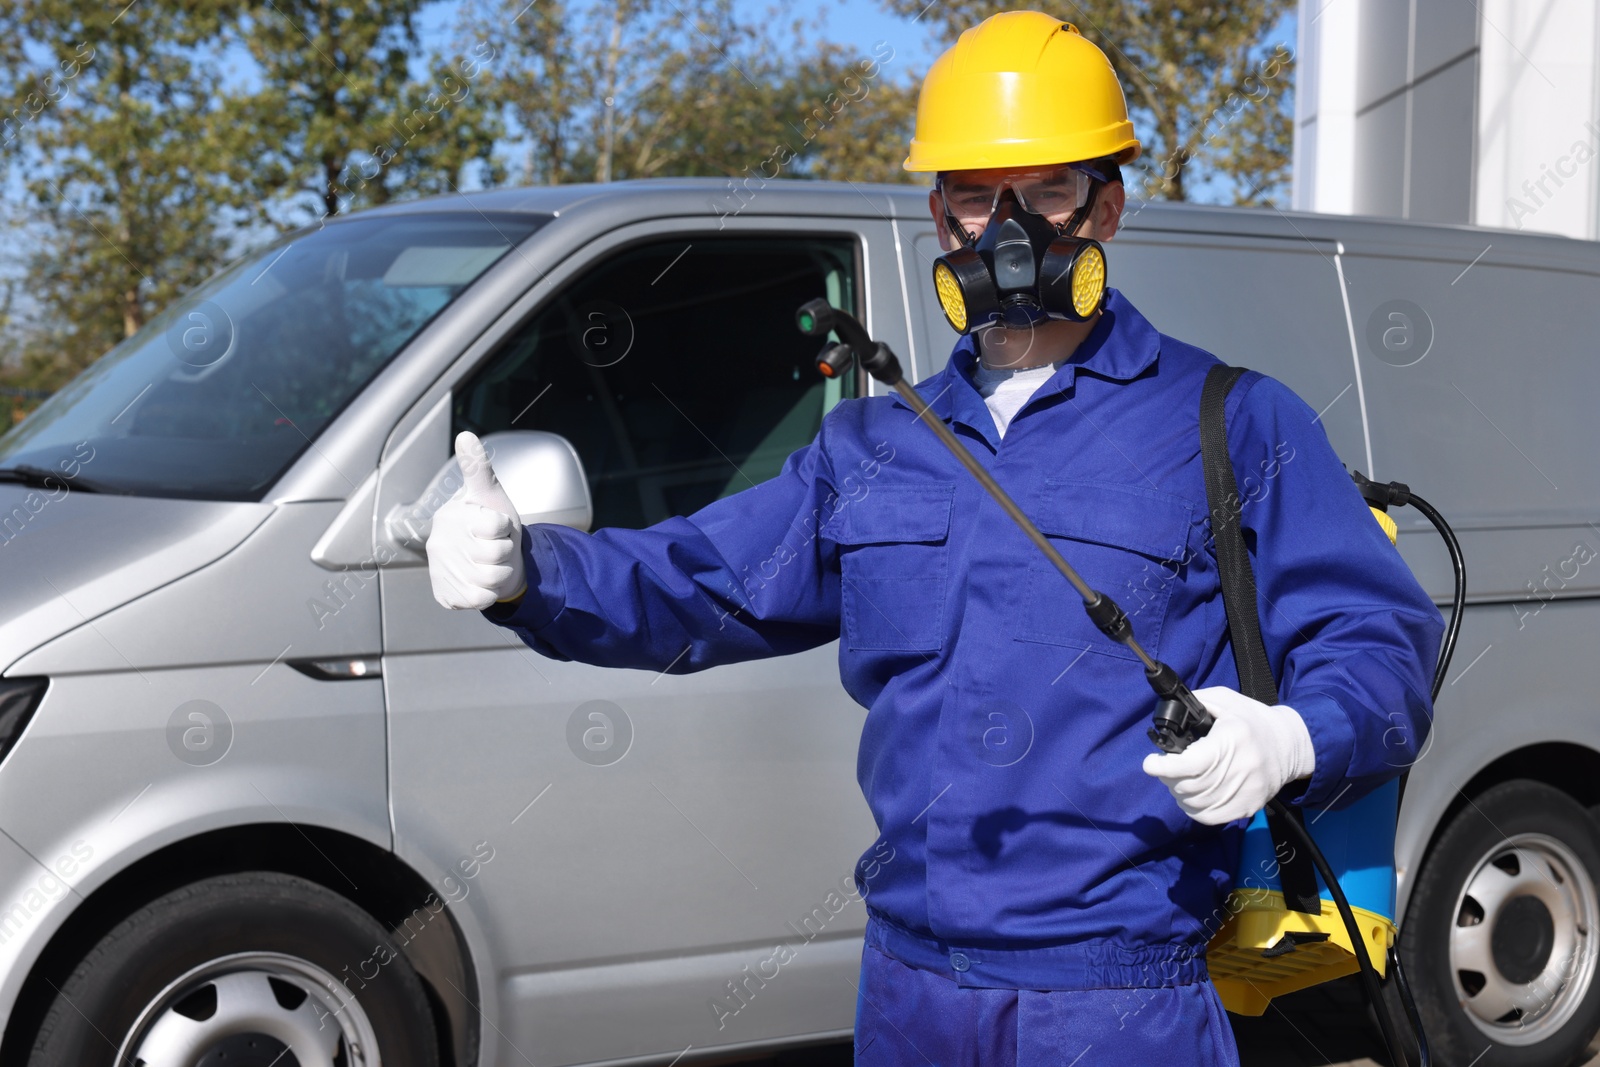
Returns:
(1323,1027)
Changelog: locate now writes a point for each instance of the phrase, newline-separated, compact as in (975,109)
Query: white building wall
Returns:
(1537,117)
(1470,111)
(1324,104)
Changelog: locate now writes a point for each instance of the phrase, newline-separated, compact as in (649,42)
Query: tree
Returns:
(113,136)
(1253,134)
(873,106)
(147,165)
(646,88)
(534,83)
(1209,99)
(338,121)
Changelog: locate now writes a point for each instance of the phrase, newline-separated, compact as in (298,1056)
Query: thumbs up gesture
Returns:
(475,546)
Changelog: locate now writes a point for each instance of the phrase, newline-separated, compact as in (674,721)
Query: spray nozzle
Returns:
(816,317)
(1382,495)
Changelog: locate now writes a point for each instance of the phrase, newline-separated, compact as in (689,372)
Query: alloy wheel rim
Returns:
(1523,945)
(267,1005)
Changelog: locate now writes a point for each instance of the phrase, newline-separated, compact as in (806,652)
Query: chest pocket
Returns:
(1131,543)
(893,562)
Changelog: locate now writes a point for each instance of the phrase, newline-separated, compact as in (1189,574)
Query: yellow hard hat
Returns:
(1020,89)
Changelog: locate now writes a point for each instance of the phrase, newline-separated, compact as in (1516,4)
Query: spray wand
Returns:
(1180,718)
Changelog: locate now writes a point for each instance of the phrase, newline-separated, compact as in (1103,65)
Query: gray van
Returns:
(259,792)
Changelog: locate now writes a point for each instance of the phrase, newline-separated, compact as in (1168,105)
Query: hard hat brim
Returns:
(1117,141)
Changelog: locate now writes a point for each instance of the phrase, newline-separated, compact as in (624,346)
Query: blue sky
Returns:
(863,23)
(857,24)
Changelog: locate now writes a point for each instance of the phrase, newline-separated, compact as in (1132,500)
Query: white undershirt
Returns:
(1006,390)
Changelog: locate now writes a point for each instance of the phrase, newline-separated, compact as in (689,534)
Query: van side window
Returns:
(674,368)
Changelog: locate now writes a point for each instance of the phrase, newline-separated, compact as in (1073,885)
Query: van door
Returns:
(631,846)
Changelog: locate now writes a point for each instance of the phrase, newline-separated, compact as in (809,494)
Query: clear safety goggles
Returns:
(971,196)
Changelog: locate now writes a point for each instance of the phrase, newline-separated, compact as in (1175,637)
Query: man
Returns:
(1048,903)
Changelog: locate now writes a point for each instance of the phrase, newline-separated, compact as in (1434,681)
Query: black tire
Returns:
(1521,863)
(281,931)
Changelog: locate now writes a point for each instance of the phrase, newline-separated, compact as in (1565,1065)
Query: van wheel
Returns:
(1502,932)
(245,970)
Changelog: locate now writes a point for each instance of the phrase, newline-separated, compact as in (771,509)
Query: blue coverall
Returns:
(1047,899)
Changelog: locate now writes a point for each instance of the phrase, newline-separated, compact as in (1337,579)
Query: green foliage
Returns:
(146,168)
(1209,98)
(861,112)
(110,129)
(649,88)
(338,121)
(147,161)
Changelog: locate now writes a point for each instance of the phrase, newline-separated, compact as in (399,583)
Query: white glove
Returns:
(475,546)
(1252,751)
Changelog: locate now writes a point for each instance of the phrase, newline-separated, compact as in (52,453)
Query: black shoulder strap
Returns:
(1297,875)
(1233,561)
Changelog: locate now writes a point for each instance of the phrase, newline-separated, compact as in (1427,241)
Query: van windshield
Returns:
(215,397)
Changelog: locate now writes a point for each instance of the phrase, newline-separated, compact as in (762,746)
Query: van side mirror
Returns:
(540,471)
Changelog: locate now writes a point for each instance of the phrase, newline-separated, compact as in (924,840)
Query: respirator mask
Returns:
(1022,269)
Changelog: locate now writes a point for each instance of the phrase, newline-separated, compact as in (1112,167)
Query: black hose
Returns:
(1447,648)
(1369,975)
(1424,1057)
